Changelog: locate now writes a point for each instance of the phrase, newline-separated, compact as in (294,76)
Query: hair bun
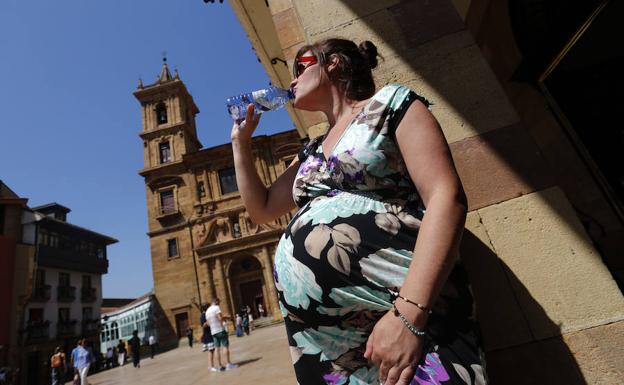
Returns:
(369,51)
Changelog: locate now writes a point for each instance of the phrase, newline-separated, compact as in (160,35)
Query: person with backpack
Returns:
(135,349)
(58,364)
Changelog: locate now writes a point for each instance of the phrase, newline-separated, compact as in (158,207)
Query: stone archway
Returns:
(248,284)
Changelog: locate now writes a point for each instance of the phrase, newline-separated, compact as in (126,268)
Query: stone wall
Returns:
(542,291)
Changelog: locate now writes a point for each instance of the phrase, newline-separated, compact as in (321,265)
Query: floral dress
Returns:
(348,249)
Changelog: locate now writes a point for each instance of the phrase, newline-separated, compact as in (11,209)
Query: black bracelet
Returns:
(408,325)
(421,307)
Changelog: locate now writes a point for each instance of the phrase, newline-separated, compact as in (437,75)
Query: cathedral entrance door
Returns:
(251,295)
(247,284)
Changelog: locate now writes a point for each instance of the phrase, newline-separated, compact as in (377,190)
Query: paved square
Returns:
(263,356)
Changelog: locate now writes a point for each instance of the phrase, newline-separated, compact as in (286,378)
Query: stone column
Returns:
(272,303)
(222,291)
(207,186)
(210,283)
(192,183)
(231,300)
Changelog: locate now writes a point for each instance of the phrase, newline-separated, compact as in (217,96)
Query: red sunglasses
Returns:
(303,62)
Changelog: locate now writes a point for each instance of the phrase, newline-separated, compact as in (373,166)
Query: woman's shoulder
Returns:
(396,96)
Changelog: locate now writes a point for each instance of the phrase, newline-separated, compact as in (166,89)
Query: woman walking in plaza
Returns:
(121,352)
(367,273)
(58,364)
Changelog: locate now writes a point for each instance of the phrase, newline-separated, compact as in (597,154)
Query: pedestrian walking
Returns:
(189,335)
(135,349)
(81,361)
(245,319)
(121,352)
(110,354)
(94,367)
(249,317)
(58,366)
(239,324)
(152,344)
(219,334)
(261,310)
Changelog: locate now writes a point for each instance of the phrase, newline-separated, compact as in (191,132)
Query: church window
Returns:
(227,179)
(167,202)
(172,248)
(164,148)
(161,113)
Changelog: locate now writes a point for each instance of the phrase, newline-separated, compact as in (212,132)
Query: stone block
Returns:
(543,362)
(560,281)
(336,13)
(288,29)
(422,21)
(277,6)
(500,316)
(591,356)
(499,165)
(599,353)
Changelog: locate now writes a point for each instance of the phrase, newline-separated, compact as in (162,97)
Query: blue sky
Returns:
(68,120)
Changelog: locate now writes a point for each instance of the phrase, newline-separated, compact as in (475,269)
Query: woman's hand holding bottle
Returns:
(243,129)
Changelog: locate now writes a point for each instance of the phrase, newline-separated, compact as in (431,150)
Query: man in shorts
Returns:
(214,319)
(206,339)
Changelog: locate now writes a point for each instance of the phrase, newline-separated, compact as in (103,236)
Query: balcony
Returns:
(65,329)
(42,293)
(66,293)
(71,260)
(37,331)
(90,326)
(88,294)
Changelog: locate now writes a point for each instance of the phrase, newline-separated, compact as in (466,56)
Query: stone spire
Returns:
(165,75)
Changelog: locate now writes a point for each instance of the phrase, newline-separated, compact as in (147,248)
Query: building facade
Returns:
(67,290)
(524,92)
(203,244)
(17,266)
(119,323)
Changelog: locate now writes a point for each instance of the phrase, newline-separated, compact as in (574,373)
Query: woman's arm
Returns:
(430,165)
(263,204)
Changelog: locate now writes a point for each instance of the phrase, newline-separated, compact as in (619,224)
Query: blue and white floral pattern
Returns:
(348,249)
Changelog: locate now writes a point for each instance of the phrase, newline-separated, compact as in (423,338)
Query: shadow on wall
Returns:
(514,352)
(167,337)
(494,149)
(498,160)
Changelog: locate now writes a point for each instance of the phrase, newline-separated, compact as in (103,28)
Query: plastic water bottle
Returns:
(264,100)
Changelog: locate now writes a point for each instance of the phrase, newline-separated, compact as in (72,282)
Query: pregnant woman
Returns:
(367,272)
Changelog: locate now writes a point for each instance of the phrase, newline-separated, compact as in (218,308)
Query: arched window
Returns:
(105,334)
(114,331)
(161,113)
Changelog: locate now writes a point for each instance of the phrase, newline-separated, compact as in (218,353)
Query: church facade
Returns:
(203,243)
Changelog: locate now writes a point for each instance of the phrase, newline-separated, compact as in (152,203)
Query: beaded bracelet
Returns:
(408,325)
(421,307)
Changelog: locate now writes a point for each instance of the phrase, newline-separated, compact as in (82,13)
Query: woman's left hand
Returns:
(394,349)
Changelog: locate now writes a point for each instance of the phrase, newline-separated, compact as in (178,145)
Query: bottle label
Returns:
(260,97)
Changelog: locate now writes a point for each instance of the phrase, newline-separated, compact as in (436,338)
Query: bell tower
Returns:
(168,120)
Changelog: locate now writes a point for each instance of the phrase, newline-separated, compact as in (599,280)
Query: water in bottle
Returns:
(264,100)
